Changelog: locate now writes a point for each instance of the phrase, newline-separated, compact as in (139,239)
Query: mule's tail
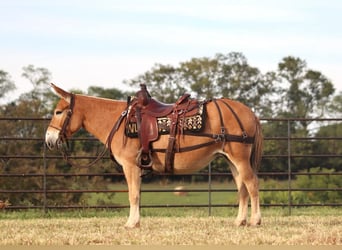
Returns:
(257,147)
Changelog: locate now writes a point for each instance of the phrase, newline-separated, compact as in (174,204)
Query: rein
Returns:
(62,138)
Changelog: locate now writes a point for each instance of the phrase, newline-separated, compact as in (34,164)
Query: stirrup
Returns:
(144,161)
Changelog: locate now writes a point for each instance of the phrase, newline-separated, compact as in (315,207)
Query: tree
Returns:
(242,82)
(41,98)
(295,91)
(333,147)
(37,76)
(6,84)
(164,82)
(201,75)
(334,108)
(221,76)
(229,76)
(111,93)
(305,91)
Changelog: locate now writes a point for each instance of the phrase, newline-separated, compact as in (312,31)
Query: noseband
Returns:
(62,137)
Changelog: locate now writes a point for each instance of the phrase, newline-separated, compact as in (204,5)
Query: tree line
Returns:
(292,91)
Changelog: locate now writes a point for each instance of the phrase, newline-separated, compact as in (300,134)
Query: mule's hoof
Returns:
(131,226)
(240,223)
(255,222)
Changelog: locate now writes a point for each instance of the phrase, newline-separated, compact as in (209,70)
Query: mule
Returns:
(104,118)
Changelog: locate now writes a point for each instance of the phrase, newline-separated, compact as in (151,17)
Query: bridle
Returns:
(62,141)
(62,137)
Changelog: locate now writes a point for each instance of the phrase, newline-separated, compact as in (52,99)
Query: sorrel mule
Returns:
(103,118)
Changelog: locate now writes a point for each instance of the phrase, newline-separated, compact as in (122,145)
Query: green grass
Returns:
(167,225)
(165,212)
(160,198)
(167,198)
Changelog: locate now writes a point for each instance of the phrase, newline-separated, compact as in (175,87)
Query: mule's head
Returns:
(65,120)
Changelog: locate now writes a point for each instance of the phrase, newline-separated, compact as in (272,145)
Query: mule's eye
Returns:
(58,112)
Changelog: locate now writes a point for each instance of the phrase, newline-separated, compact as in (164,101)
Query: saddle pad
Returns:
(193,123)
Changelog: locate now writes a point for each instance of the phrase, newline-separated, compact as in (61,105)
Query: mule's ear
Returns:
(61,93)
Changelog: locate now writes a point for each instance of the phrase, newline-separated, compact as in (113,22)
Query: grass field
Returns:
(313,226)
(170,226)
(148,198)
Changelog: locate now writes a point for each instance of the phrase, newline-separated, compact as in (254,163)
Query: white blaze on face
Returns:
(51,137)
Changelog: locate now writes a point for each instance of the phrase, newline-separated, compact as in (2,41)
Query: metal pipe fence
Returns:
(41,184)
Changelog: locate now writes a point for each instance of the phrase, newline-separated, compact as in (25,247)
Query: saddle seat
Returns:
(156,108)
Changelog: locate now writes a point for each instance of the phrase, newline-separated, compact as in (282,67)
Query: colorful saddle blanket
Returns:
(192,121)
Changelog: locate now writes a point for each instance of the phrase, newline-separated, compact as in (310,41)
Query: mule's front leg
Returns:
(133,178)
(134,213)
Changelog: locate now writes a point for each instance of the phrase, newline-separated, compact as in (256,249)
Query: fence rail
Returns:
(44,189)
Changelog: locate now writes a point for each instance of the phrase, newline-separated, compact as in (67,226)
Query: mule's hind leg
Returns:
(252,184)
(241,218)
(247,181)
(250,179)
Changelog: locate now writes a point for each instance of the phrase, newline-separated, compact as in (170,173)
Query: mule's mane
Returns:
(99,98)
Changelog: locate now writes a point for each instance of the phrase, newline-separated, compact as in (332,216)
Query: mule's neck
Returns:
(99,114)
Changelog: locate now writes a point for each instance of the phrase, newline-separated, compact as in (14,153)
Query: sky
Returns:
(102,43)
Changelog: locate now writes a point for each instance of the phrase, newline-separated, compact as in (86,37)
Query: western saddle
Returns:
(145,111)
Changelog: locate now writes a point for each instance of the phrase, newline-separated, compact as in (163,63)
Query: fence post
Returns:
(289,165)
(209,189)
(44,176)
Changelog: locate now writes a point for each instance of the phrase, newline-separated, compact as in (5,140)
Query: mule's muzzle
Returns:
(50,144)
(52,140)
